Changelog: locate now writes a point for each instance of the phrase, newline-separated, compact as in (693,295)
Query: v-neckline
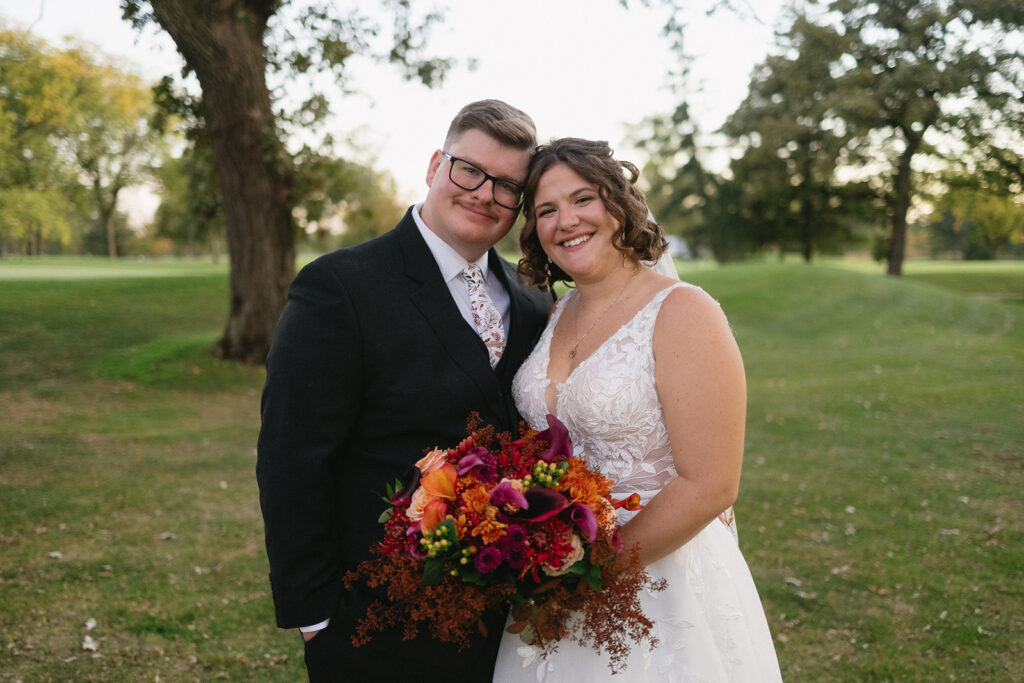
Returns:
(547,362)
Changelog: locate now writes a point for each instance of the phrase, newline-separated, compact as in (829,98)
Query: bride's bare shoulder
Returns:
(691,317)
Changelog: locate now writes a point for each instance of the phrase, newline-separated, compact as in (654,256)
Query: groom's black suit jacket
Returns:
(372,363)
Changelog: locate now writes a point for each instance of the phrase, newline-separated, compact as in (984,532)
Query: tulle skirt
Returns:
(709,624)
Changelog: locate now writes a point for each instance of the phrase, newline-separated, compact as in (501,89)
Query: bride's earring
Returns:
(547,271)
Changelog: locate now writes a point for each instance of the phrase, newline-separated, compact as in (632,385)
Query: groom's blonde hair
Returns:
(510,126)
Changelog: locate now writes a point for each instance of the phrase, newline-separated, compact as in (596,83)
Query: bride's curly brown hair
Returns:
(638,236)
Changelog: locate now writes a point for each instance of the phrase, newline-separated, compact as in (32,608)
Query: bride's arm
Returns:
(701,385)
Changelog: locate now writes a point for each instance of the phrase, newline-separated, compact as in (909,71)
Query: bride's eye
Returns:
(541,213)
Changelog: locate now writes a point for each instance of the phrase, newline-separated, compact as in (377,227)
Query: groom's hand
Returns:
(308,635)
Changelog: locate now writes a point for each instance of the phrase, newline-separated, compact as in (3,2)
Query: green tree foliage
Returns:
(73,135)
(975,223)
(787,192)
(681,191)
(341,203)
(36,101)
(860,89)
(190,214)
(230,46)
(904,67)
(110,137)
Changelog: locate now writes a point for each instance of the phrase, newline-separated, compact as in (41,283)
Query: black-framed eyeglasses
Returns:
(469,177)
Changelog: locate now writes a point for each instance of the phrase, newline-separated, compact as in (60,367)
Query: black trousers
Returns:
(331,658)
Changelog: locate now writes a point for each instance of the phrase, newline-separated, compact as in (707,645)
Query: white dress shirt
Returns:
(452,264)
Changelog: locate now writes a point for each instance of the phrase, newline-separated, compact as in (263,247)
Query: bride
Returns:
(646,375)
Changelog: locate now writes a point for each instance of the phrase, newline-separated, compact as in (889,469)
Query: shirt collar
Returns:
(449,261)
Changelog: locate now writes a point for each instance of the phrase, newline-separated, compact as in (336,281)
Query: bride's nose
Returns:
(567,218)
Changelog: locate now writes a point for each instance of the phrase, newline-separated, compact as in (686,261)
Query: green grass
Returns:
(1002,280)
(879,510)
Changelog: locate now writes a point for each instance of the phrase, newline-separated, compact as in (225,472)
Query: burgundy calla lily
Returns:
(583,517)
(543,503)
(504,493)
(474,458)
(410,482)
(559,443)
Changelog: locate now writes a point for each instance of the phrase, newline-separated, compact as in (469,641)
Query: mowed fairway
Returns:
(880,508)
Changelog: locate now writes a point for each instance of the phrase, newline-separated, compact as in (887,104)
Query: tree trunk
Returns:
(223,43)
(807,211)
(903,189)
(215,244)
(900,206)
(107,218)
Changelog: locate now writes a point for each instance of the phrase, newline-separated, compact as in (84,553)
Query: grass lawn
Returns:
(880,508)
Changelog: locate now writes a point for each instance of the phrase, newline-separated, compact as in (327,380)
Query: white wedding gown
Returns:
(709,622)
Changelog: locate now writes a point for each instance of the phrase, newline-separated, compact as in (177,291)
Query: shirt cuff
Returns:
(315,627)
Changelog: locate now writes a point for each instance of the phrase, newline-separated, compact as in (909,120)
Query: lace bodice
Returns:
(609,402)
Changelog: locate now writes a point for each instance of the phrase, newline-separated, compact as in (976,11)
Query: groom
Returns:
(382,351)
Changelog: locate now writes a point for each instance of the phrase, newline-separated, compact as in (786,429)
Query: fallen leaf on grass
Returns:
(89,644)
(55,554)
(90,624)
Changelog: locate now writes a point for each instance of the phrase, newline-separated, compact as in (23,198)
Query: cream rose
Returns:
(420,498)
(431,461)
(572,558)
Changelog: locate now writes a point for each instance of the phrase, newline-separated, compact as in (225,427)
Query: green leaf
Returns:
(433,571)
(580,568)
(384,516)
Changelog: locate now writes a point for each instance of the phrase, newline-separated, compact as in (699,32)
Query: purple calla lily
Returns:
(559,443)
(410,482)
(543,504)
(504,493)
(583,517)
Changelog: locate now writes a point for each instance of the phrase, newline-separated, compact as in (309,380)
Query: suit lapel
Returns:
(431,296)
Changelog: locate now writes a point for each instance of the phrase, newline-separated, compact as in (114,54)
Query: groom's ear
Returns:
(435,163)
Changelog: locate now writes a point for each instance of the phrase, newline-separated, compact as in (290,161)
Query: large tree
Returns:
(225,44)
(906,66)
(109,136)
(793,144)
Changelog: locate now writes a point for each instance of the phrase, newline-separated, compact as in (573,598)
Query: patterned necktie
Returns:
(486,317)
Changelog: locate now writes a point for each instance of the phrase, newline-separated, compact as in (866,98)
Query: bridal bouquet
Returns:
(496,521)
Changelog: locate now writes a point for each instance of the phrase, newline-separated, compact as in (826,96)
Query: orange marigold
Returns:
(583,485)
(476,499)
(490,529)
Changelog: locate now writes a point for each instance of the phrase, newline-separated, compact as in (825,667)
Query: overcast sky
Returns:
(587,68)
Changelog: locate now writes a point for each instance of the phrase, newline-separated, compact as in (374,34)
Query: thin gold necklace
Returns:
(579,340)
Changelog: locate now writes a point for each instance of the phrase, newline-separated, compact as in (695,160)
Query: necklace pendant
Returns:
(572,353)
